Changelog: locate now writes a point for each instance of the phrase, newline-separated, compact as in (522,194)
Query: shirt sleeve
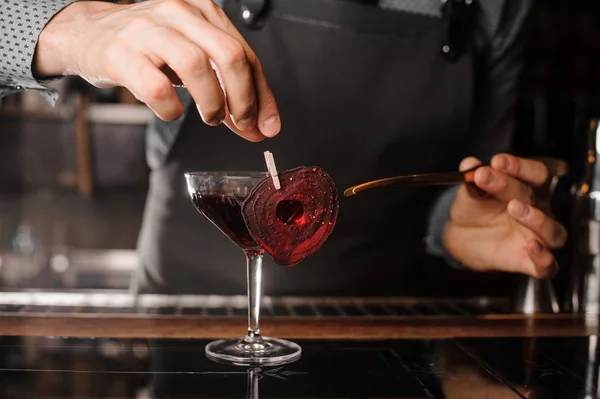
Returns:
(497,60)
(21,22)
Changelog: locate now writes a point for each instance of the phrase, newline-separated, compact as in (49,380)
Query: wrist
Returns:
(56,48)
(452,243)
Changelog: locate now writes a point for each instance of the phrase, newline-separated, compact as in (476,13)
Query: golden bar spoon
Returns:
(430,179)
(556,168)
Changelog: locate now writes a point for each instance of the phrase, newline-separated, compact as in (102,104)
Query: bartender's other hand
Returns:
(498,224)
(149,46)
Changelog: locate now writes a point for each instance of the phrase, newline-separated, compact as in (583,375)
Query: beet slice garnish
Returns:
(293,222)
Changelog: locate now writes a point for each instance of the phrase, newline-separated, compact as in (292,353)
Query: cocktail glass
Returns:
(219,197)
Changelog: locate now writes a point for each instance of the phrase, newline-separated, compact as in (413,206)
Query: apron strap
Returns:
(458,18)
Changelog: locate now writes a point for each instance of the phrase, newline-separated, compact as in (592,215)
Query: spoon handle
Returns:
(430,179)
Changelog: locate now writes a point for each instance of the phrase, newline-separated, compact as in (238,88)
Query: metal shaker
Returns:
(583,290)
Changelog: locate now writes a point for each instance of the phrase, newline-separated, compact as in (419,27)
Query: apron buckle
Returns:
(253,13)
(457,25)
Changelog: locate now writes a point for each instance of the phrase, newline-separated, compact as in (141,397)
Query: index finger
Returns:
(527,170)
(268,120)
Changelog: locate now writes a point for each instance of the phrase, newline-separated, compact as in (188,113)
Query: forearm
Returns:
(22,25)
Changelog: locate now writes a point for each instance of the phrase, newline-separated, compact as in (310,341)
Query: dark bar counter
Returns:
(402,368)
(118,346)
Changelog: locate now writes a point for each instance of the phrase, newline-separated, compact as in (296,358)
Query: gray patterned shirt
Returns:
(21,22)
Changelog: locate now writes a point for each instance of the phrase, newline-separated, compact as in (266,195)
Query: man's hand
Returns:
(147,47)
(501,224)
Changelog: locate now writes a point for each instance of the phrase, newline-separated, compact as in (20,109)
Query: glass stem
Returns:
(254,276)
(252,386)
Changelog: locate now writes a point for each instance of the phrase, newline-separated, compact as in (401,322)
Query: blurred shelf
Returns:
(97,113)
(125,114)
(62,113)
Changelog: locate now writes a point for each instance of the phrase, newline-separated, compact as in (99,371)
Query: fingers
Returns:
(544,263)
(502,186)
(252,134)
(191,43)
(148,84)
(269,122)
(552,233)
(526,170)
(237,67)
(510,182)
(473,190)
(232,63)
(194,70)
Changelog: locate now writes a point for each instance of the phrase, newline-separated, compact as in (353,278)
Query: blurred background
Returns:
(73,178)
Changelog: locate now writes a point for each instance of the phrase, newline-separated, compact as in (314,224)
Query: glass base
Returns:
(262,351)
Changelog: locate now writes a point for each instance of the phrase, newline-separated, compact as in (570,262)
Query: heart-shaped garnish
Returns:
(293,222)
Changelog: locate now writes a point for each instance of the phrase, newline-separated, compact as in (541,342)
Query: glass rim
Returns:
(228,173)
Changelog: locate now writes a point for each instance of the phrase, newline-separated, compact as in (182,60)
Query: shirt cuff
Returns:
(21,22)
(439,216)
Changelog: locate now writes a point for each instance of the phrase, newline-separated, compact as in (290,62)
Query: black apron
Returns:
(364,93)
